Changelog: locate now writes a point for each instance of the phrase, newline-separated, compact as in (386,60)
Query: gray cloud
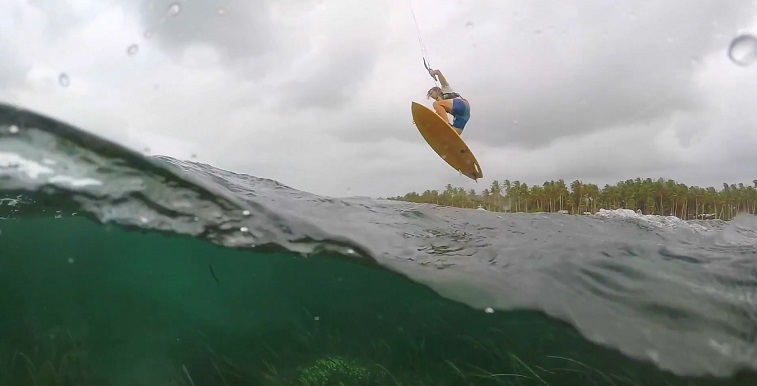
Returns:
(13,68)
(238,30)
(560,70)
(316,94)
(64,17)
(257,46)
(333,78)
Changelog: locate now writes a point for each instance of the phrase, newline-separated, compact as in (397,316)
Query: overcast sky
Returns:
(317,94)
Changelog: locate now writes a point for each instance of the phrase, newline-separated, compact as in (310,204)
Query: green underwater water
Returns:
(90,304)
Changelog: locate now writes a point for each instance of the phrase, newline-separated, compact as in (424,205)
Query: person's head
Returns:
(434,93)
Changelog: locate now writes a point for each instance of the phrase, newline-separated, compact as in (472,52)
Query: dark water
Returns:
(117,269)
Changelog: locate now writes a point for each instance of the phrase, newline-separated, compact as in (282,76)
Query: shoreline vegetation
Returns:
(645,196)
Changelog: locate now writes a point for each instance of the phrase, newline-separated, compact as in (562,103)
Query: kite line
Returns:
(424,53)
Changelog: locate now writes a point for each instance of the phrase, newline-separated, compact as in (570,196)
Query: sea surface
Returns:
(122,269)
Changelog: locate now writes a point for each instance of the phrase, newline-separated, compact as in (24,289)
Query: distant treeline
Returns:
(661,197)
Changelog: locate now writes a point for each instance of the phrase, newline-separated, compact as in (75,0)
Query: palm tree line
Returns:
(647,196)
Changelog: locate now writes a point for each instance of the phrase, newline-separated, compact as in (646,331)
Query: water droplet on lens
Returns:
(63,79)
(13,129)
(132,50)
(174,9)
(743,50)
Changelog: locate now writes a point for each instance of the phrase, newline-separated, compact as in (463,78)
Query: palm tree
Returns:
(660,196)
(577,193)
(496,192)
(486,199)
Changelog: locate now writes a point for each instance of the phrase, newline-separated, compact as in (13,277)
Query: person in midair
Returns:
(446,100)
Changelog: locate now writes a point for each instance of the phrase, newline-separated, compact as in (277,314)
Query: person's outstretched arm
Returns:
(442,80)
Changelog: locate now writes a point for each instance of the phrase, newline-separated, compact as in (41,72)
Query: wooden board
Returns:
(445,141)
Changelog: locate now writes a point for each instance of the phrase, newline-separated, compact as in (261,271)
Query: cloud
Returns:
(12,71)
(64,17)
(552,71)
(316,94)
(238,31)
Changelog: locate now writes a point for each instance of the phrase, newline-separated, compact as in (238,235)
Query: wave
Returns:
(165,249)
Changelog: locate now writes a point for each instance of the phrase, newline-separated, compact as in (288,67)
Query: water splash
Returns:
(63,79)
(743,50)
(174,9)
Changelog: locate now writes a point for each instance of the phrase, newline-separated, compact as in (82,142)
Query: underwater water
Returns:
(121,269)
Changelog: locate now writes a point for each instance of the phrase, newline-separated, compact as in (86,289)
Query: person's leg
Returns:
(442,107)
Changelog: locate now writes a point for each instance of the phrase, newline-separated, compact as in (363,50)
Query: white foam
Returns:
(75,182)
(14,164)
(650,219)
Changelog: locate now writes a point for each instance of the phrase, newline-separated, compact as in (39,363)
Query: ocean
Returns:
(121,269)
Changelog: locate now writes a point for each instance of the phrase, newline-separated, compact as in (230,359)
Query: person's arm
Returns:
(442,80)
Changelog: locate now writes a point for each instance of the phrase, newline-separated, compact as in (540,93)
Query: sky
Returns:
(317,94)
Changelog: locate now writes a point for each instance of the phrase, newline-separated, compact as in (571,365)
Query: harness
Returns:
(447,95)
